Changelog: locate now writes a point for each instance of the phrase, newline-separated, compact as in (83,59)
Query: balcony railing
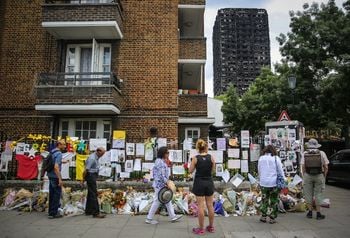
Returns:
(78,79)
(80,1)
(78,88)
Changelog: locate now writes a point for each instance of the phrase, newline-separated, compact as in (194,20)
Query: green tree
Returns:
(318,47)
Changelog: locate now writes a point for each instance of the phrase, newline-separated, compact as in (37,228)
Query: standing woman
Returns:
(161,173)
(268,165)
(203,186)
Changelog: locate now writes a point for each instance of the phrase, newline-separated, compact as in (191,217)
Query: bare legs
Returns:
(202,201)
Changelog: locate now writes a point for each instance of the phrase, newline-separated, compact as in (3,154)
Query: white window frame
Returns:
(100,122)
(97,66)
(192,129)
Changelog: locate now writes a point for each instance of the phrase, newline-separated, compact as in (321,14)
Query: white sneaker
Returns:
(175,218)
(153,222)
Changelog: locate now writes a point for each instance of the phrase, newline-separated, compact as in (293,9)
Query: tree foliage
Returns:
(317,52)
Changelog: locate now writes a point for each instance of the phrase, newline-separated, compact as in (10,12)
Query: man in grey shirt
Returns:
(90,175)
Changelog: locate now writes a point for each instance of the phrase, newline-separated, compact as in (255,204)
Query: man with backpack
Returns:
(314,168)
(54,174)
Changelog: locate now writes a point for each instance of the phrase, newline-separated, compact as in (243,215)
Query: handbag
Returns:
(280,179)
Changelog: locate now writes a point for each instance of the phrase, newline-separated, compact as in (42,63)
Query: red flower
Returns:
(186,165)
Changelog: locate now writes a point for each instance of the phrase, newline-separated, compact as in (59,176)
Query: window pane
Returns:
(106,127)
(78,134)
(64,133)
(64,125)
(85,135)
(85,125)
(106,55)
(106,135)
(93,125)
(78,125)
(189,134)
(92,134)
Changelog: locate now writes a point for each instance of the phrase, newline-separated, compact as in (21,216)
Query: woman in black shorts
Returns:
(203,186)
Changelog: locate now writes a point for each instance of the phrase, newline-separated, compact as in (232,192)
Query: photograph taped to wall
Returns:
(282,154)
(219,169)
(175,156)
(292,156)
(130,148)
(129,165)
(4,165)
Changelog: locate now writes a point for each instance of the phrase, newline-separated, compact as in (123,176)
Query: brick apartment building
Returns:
(87,67)
(241,46)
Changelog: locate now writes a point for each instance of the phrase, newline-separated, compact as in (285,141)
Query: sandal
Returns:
(210,229)
(263,219)
(272,221)
(198,231)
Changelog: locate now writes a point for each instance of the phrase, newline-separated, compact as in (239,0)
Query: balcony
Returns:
(78,93)
(191,19)
(193,105)
(83,19)
(192,48)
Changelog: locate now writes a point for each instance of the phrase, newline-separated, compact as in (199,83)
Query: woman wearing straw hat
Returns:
(161,182)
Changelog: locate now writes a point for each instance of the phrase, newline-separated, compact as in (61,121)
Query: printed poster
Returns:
(221,143)
(119,134)
(140,149)
(96,143)
(218,156)
(245,139)
(175,156)
(233,153)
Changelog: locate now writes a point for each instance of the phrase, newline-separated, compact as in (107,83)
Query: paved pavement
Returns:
(291,225)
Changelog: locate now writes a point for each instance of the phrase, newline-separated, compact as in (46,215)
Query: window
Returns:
(93,57)
(64,130)
(86,128)
(192,132)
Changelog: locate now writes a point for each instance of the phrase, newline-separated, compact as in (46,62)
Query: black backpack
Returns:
(48,163)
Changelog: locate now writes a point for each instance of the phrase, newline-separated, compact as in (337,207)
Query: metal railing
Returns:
(81,1)
(59,79)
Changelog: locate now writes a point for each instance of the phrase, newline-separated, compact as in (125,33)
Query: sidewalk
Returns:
(336,224)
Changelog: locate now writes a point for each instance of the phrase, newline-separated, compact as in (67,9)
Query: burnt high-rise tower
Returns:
(241,46)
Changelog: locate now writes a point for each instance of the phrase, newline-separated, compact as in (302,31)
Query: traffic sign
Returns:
(284,116)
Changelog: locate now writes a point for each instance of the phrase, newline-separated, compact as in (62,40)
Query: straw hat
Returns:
(165,195)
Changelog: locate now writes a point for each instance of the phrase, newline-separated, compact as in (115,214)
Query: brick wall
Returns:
(193,49)
(139,127)
(147,63)
(23,49)
(193,105)
(85,12)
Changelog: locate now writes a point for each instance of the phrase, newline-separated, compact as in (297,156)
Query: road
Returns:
(291,225)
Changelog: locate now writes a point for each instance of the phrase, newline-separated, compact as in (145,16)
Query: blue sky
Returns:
(278,13)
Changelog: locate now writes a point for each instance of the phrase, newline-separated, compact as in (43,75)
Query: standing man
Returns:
(55,188)
(314,167)
(90,175)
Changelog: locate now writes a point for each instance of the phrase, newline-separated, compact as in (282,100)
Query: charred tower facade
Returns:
(241,46)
